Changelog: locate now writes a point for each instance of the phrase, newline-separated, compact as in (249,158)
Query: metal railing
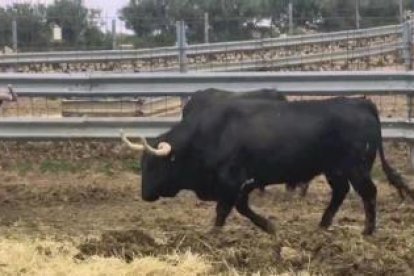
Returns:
(333,83)
(199,49)
(109,128)
(176,84)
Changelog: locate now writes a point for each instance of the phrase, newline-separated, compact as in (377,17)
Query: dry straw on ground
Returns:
(46,258)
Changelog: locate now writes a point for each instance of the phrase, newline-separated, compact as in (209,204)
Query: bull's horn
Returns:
(13,95)
(133,146)
(164,148)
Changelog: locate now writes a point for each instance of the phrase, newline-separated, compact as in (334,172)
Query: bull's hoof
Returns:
(303,193)
(215,230)
(270,228)
(325,224)
(368,231)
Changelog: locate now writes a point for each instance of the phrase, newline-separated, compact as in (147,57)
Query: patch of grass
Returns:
(107,168)
(60,166)
(24,167)
(131,165)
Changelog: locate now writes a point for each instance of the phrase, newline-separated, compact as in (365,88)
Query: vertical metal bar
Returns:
(401,8)
(357,15)
(182,45)
(14,34)
(407,44)
(290,12)
(182,55)
(114,42)
(411,154)
(406,53)
(206,28)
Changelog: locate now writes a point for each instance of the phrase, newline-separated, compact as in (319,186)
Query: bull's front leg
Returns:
(242,206)
(225,204)
(223,209)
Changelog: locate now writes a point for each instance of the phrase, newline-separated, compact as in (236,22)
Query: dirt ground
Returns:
(86,210)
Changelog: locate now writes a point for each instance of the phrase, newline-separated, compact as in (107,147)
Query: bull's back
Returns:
(274,140)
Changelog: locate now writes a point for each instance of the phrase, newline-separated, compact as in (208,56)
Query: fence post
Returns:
(182,46)
(401,8)
(182,53)
(14,34)
(357,15)
(407,37)
(206,28)
(114,42)
(290,12)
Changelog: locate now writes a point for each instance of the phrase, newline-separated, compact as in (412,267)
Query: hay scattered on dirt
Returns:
(54,258)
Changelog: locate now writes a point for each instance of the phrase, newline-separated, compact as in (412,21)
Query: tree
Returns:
(78,23)
(5,28)
(156,19)
(153,20)
(32,32)
(150,20)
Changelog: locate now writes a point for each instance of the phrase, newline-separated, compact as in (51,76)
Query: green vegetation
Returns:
(34,24)
(57,166)
(153,21)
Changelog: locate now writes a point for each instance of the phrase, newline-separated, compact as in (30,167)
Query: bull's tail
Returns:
(394,178)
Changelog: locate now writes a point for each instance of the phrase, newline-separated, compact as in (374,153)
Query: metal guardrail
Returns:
(109,128)
(81,128)
(294,60)
(295,40)
(196,49)
(178,84)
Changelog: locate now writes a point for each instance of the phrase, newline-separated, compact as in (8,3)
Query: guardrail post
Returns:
(182,46)
(14,34)
(290,12)
(407,37)
(357,15)
(114,42)
(182,53)
(406,54)
(206,28)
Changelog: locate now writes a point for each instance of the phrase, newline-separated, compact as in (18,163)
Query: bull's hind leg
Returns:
(364,186)
(223,210)
(242,206)
(340,188)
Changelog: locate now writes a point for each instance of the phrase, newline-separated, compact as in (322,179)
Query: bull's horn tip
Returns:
(122,133)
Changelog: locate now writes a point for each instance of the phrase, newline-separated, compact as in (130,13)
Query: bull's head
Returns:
(158,169)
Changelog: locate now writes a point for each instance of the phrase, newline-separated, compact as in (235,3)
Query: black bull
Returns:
(203,99)
(270,142)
